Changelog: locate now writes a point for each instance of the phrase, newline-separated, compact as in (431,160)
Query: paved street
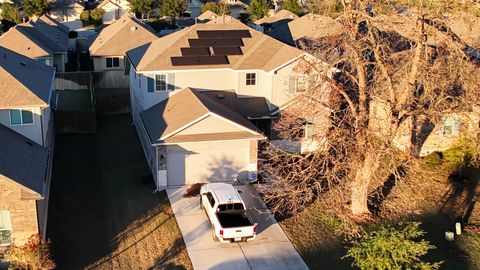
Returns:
(270,250)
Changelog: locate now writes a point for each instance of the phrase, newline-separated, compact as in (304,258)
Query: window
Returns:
(21,117)
(230,207)
(161,82)
(251,79)
(309,127)
(451,126)
(112,62)
(5,228)
(297,83)
(210,198)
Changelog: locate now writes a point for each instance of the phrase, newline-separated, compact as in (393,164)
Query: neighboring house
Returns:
(26,142)
(430,137)
(109,47)
(66,10)
(202,18)
(45,40)
(279,19)
(114,9)
(236,7)
(246,75)
(308,27)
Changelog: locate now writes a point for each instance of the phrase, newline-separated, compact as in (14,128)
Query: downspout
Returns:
(41,127)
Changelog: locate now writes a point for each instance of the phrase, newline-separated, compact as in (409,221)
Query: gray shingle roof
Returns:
(168,117)
(23,161)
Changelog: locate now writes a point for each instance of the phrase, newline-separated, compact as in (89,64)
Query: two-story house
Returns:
(236,7)
(192,90)
(109,47)
(26,142)
(278,19)
(45,40)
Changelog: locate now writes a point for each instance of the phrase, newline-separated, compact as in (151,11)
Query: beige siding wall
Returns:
(435,141)
(33,131)
(23,213)
(100,64)
(211,124)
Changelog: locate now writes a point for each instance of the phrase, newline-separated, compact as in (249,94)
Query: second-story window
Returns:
(251,79)
(161,82)
(21,117)
(112,62)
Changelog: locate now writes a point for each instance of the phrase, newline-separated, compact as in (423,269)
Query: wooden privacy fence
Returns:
(110,79)
(73,81)
(109,101)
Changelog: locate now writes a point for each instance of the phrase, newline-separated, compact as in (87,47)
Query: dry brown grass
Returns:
(151,242)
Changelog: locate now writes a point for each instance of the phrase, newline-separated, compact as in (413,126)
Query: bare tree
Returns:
(413,65)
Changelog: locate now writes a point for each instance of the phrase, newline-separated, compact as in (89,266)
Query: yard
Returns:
(428,195)
(103,212)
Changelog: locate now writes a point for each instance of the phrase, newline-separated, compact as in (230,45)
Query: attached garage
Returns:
(204,162)
(200,141)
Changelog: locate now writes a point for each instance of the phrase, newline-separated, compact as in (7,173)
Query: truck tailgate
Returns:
(239,232)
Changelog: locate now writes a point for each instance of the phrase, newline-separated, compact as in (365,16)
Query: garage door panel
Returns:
(219,162)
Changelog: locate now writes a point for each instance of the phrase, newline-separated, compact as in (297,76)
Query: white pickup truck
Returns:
(227,213)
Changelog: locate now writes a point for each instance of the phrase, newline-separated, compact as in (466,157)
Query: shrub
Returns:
(97,14)
(392,248)
(434,158)
(34,254)
(85,16)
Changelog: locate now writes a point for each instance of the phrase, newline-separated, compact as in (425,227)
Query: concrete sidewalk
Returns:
(270,250)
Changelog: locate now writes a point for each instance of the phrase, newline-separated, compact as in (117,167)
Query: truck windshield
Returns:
(230,207)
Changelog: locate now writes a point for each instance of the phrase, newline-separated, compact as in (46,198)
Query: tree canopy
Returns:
(35,7)
(395,76)
(293,6)
(217,8)
(10,16)
(257,9)
(142,7)
(173,8)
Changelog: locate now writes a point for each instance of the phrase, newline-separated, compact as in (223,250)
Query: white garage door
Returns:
(205,162)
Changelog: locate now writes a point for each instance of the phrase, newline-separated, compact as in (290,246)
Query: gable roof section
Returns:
(23,81)
(186,108)
(282,15)
(206,16)
(122,35)
(260,52)
(36,39)
(311,26)
(23,161)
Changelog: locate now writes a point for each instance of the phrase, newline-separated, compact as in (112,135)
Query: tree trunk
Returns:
(360,184)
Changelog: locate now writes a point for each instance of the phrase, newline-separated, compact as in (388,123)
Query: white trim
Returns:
(202,70)
(289,62)
(155,83)
(112,67)
(216,140)
(21,117)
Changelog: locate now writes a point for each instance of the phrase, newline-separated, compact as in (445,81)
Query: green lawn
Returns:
(103,214)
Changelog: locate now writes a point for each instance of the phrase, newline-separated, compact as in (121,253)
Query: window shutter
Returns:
(292,81)
(150,83)
(456,125)
(171,81)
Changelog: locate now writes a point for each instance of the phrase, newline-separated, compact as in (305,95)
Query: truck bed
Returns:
(232,220)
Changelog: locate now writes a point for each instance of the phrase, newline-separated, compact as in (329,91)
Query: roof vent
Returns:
(220,95)
(133,28)
(23,63)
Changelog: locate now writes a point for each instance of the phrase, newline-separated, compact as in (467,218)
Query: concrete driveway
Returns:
(270,250)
